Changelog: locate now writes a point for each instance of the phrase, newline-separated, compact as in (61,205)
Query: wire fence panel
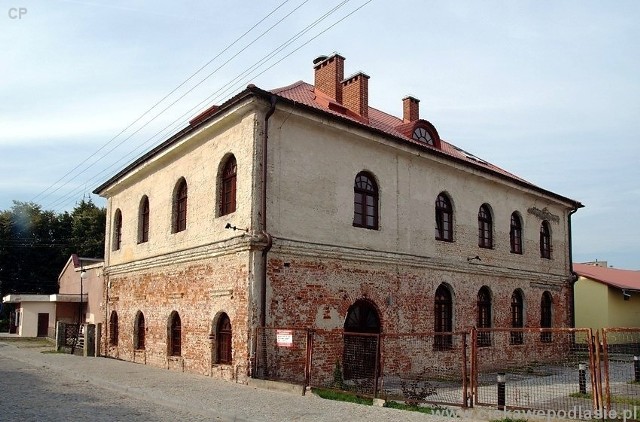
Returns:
(326,360)
(281,354)
(425,368)
(345,361)
(621,362)
(542,369)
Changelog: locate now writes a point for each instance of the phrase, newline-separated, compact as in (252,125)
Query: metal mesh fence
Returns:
(425,368)
(621,365)
(555,369)
(281,354)
(70,335)
(345,361)
(546,369)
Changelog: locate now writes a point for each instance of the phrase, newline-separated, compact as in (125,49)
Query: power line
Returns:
(154,106)
(232,84)
(186,93)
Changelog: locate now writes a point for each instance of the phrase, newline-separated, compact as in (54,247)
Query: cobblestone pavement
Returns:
(37,386)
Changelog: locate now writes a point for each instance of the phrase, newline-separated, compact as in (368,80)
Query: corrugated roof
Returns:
(614,277)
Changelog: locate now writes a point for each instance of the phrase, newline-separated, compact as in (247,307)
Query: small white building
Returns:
(79,300)
(35,315)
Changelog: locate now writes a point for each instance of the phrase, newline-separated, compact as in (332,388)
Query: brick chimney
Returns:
(355,94)
(410,109)
(329,73)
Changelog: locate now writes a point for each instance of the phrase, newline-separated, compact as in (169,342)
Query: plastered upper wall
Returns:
(198,159)
(312,167)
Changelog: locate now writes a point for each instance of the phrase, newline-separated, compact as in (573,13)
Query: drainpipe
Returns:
(574,275)
(263,212)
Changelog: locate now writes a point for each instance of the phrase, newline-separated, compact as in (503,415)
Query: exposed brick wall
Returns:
(318,293)
(355,94)
(410,109)
(199,291)
(328,75)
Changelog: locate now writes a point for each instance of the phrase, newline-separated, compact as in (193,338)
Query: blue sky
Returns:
(549,90)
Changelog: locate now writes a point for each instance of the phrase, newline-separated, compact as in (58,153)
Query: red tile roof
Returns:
(622,279)
(304,93)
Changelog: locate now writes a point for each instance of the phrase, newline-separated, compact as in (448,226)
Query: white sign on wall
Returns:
(284,338)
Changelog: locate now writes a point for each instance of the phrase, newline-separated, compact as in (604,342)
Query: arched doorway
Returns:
(361,338)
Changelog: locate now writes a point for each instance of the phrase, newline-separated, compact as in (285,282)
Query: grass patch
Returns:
(581,395)
(342,396)
(410,407)
(614,399)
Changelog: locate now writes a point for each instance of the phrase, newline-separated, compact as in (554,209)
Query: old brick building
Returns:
(304,206)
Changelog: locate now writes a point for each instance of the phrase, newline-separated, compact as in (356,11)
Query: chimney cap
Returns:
(319,59)
(412,98)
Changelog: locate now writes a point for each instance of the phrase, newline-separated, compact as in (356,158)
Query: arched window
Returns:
(365,202)
(443,318)
(484,316)
(139,332)
(517,316)
(545,316)
(485,227)
(113,328)
(515,233)
(360,351)
(180,207)
(228,195)
(175,335)
(223,336)
(143,223)
(444,218)
(545,240)
(117,230)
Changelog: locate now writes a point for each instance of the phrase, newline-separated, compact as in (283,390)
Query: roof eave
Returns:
(174,138)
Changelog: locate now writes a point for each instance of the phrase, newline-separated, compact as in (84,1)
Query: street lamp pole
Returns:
(83,274)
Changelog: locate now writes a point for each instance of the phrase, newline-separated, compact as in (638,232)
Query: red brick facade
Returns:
(199,292)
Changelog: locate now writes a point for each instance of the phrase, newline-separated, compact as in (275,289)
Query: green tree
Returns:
(88,223)
(35,244)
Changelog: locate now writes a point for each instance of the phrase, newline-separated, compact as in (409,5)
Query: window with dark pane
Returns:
(117,230)
(365,203)
(223,337)
(444,218)
(517,317)
(485,228)
(228,197)
(545,240)
(443,318)
(515,234)
(144,220)
(181,207)
(113,328)
(484,316)
(175,335)
(140,332)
